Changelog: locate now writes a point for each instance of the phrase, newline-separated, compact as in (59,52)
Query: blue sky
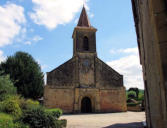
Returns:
(44,28)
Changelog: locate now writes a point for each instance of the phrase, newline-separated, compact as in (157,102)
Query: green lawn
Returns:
(6,121)
(4,116)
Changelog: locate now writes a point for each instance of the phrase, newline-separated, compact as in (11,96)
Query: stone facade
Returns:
(85,83)
(151,27)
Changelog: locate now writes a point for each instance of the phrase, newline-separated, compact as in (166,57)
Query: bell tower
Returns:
(84,50)
(84,36)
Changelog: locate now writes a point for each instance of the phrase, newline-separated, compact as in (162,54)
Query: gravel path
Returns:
(106,120)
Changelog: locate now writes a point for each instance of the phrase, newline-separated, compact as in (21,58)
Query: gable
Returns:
(64,75)
(106,76)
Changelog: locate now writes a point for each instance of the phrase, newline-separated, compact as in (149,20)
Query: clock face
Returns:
(86,63)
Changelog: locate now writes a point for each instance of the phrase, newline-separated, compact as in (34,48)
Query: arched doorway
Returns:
(86,105)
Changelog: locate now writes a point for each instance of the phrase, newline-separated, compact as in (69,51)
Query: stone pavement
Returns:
(105,120)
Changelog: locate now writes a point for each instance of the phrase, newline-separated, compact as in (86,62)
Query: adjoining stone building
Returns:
(151,27)
(85,83)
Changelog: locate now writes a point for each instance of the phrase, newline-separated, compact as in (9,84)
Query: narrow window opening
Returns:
(85,43)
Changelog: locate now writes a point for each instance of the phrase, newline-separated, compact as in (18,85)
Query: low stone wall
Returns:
(134,108)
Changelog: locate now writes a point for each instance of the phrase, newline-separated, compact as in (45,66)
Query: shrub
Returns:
(28,104)
(11,106)
(6,121)
(40,118)
(62,123)
(55,112)
(16,98)
(6,87)
(29,101)
(20,125)
(141,96)
(1,107)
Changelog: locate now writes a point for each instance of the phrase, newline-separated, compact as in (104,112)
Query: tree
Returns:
(26,74)
(136,90)
(131,94)
(6,87)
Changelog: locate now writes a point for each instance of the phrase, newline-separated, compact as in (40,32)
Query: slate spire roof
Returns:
(83,20)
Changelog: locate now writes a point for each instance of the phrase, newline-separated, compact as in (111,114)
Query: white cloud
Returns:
(129,66)
(37,38)
(44,66)
(21,37)
(45,78)
(91,15)
(11,21)
(129,50)
(28,42)
(76,20)
(2,58)
(125,51)
(51,13)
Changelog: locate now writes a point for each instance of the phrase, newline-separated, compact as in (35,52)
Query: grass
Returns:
(6,121)
(4,116)
(54,109)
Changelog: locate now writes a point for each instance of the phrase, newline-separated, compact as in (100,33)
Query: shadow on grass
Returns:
(127,125)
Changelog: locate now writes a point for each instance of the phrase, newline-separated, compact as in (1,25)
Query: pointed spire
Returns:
(83,20)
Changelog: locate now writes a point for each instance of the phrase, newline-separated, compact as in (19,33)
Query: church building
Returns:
(85,83)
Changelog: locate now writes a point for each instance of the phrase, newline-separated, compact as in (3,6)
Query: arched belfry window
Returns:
(85,43)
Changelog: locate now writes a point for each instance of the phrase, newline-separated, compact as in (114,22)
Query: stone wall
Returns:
(151,27)
(113,100)
(59,98)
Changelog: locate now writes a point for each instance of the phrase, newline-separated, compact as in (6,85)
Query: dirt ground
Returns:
(105,120)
